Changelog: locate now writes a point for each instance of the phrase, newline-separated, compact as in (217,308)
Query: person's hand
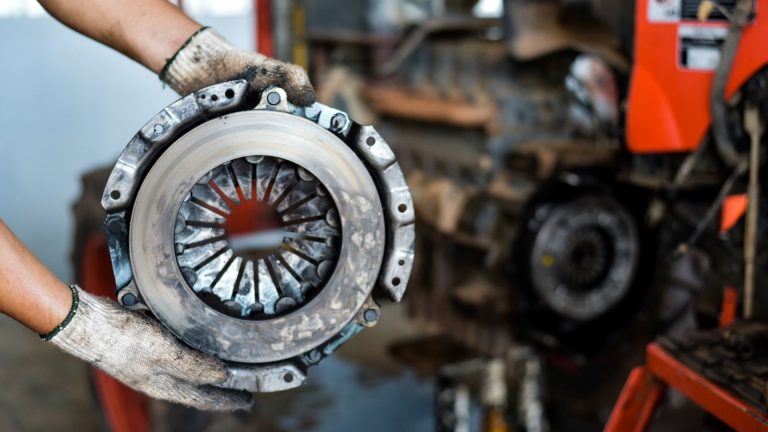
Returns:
(144,356)
(207,59)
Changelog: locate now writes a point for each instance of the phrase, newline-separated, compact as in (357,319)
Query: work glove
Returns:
(142,355)
(207,59)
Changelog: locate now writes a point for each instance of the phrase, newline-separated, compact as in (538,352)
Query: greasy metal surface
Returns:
(398,207)
(257,237)
(393,189)
(275,377)
(160,131)
(367,233)
(239,135)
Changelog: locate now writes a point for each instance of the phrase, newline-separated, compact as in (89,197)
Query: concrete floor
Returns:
(43,388)
(359,387)
(46,390)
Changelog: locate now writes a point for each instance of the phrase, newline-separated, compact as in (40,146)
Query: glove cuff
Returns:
(90,323)
(72,310)
(195,64)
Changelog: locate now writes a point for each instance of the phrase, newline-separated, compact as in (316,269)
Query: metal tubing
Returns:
(753,126)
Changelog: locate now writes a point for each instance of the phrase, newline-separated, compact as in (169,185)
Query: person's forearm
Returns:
(125,344)
(185,56)
(148,31)
(29,292)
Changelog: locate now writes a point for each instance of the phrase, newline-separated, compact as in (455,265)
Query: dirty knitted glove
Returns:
(207,59)
(142,355)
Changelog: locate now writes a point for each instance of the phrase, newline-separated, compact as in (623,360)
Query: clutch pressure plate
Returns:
(255,230)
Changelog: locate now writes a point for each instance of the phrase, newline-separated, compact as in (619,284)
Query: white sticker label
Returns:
(703,32)
(703,58)
(700,46)
(664,10)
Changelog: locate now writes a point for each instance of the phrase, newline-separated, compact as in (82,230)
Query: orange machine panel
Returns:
(675,56)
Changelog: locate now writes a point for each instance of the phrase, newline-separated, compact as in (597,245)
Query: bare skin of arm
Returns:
(98,330)
(110,337)
(152,31)
(29,292)
(148,31)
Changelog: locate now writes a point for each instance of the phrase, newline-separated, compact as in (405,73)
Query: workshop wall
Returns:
(69,105)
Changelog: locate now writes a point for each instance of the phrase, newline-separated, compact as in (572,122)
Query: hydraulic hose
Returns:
(718,106)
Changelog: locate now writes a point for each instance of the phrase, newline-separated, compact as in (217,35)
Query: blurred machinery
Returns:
(512,148)
(580,172)
(572,162)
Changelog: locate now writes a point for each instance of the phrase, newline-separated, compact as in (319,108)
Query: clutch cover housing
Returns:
(256,230)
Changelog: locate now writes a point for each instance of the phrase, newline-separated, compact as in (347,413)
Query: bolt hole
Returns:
(371,315)
(401,262)
(158,129)
(115,195)
(129,299)
(338,121)
(288,377)
(214,98)
(370,141)
(202,96)
(229,93)
(402,208)
(273,98)
(396,281)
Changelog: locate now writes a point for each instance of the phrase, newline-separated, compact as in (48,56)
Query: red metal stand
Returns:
(263,19)
(637,402)
(124,409)
(643,390)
